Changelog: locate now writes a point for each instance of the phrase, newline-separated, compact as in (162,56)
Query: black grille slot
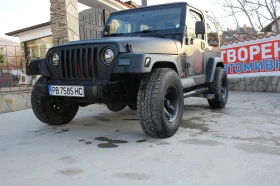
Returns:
(79,63)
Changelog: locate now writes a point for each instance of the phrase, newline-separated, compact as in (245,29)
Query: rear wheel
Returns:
(48,110)
(219,87)
(115,107)
(160,103)
(133,107)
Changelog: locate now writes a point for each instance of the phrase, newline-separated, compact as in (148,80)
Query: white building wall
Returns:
(35,33)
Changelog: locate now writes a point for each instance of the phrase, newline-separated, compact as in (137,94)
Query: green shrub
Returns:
(2,58)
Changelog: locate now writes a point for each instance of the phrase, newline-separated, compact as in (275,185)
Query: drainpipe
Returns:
(144,2)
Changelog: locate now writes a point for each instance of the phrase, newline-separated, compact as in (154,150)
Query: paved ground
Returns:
(239,145)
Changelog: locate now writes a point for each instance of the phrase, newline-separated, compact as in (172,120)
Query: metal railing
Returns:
(13,76)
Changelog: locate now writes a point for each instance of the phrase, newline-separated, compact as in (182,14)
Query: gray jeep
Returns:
(148,59)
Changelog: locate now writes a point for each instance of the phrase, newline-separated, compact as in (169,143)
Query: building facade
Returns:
(67,24)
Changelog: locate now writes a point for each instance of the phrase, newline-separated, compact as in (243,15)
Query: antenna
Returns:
(144,2)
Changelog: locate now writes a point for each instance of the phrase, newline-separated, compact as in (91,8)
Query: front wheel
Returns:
(160,103)
(219,87)
(48,110)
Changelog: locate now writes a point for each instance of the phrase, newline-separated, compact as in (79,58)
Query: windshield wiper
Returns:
(114,34)
(149,30)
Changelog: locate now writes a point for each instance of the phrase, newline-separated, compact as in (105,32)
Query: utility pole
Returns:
(144,2)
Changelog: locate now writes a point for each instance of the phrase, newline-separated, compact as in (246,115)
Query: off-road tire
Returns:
(157,89)
(115,107)
(219,87)
(133,107)
(47,110)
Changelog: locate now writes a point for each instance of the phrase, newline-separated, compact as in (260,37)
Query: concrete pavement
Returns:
(239,145)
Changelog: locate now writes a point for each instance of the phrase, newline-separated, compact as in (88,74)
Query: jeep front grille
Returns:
(79,63)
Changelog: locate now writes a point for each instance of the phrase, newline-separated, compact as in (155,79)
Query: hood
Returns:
(138,44)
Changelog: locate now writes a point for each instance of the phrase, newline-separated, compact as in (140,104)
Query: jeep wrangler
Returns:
(148,59)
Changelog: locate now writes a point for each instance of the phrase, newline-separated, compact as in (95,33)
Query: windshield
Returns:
(130,22)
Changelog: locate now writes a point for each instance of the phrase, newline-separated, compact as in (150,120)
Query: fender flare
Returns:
(137,61)
(212,63)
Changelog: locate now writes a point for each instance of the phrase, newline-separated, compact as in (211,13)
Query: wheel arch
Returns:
(165,64)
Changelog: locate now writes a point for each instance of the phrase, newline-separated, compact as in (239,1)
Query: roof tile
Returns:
(125,4)
(253,38)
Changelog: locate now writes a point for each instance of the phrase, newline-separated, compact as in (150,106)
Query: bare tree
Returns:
(258,13)
(273,8)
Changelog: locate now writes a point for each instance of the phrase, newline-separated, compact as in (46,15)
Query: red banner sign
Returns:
(252,56)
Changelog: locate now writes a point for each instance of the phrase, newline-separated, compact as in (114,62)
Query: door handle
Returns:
(203,46)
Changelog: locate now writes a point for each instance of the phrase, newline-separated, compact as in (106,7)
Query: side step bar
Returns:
(199,93)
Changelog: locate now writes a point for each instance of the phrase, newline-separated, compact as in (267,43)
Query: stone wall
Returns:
(14,101)
(255,84)
(64,21)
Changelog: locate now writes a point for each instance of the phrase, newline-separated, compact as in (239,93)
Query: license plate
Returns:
(72,91)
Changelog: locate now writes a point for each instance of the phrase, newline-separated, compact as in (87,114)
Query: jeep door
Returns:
(195,44)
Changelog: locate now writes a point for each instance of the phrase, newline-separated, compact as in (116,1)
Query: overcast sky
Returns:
(18,14)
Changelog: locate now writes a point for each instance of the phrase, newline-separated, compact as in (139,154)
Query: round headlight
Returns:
(107,56)
(54,59)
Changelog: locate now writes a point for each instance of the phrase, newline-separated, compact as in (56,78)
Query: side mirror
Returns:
(200,28)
